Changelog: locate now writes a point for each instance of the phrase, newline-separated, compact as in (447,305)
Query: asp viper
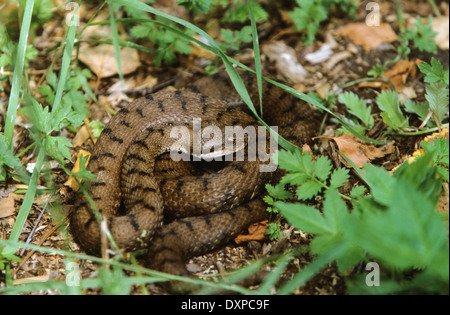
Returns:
(138,185)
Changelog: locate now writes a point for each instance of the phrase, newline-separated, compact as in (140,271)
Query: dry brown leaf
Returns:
(440,24)
(399,73)
(7,206)
(71,182)
(81,136)
(358,151)
(256,232)
(368,37)
(102,61)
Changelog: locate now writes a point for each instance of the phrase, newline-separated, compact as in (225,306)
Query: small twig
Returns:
(44,238)
(36,223)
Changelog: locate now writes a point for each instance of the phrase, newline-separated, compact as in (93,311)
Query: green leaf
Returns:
(357,191)
(420,109)
(423,35)
(437,97)
(291,162)
(198,6)
(322,168)
(433,72)
(334,210)
(240,14)
(40,116)
(389,103)
(274,231)
(381,183)
(308,190)
(268,199)
(413,232)
(83,174)
(182,46)
(305,218)
(52,80)
(47,91)
(113,282)
(295,179)
(278,191)
(97,127)
(357,107)
(8,158)
(339,177)
(140,31)
(439,150)
(58,148)
(78,101)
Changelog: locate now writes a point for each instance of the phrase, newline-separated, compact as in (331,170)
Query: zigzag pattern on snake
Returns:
(138,185)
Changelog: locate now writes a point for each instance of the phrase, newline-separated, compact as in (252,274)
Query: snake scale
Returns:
(138,184)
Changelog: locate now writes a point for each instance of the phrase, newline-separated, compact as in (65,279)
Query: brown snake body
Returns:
(137,184)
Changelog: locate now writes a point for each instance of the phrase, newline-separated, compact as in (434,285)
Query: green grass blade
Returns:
(115,40)
(13,103)
(257,56)
(65,66)
(275,274)
(161,276)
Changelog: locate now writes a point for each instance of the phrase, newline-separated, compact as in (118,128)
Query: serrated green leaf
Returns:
(182,46)
(381,183)
(353,256)
(58,148)
(274,231)
(389,103)
(420,109)
(78,101)
(289,161)
(423,35)
(443,172)
(322,242)
(140,31)
(295,179)
(303,217)
(413,233)
(437,97)
(308,190)
(439,150)
(198,6)
(339,177)
(439,147)
(357,191)
(322,168)
(334,210)
(240,14)
(47,91)
(357,107)
(422,174)
(40,116)
(433,72)
(269,200)
(7,157)
(278,191)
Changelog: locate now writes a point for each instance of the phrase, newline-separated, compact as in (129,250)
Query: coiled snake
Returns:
(138,184)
